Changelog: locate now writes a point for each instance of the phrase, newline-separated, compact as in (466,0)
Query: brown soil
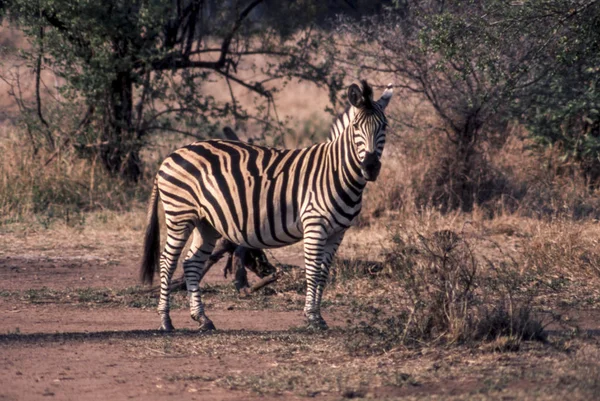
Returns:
(58,342)
(83,351)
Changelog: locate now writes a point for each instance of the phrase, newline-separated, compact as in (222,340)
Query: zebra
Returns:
(261,197)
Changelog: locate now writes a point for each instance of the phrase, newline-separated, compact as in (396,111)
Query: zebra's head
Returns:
(368,127)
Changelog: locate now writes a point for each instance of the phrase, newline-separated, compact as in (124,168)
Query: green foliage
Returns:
(563,109)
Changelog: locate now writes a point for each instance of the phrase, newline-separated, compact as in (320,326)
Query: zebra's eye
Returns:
(355,125)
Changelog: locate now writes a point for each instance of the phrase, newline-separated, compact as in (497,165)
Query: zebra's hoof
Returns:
(317,323)
(207,326)
(166,326)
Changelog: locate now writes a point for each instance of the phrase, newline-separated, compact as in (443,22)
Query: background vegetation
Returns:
(104,86)
(495,124)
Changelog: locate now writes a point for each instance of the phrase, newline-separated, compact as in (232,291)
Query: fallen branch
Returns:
(271,278)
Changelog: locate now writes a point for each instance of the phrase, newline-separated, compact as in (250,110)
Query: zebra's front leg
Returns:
(329,251)
(194,268)
(318,254)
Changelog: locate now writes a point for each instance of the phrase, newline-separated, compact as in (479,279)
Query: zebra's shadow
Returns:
(57,337)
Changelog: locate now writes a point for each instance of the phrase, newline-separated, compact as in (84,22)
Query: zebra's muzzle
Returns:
(370,167)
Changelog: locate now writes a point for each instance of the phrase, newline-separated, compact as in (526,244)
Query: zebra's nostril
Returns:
(370,166)
(371,161)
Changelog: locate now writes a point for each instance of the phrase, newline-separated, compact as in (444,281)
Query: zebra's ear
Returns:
(385,97)
(355,95)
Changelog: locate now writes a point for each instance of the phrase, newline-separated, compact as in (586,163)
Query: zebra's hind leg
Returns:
(177,236)
(194,267)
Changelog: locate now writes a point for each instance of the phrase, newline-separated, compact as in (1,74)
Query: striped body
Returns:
(262,197)
(254,196)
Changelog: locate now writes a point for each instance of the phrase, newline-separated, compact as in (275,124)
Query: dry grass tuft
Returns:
(562,247)
(438,273)
(507,327)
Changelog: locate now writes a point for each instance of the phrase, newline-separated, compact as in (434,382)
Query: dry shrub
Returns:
(438,274)
(506,310)
(559,194)
(452,183)
(452,294)
(511,177)
(58,185)
(548,186)
(437,173)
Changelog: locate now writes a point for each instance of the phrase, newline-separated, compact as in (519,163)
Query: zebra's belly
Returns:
(265,231)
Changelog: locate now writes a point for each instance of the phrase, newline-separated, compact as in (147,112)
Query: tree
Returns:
(468,60)
(563,109)
(135,66)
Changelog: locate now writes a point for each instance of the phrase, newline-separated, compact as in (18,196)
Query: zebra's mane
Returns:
(343,120)
(367,92)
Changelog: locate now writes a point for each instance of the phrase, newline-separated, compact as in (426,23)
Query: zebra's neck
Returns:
(343,149)
(344,165)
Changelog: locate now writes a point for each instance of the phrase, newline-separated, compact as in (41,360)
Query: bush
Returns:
(453,183)
(438,274)
(449,298)
(563,109)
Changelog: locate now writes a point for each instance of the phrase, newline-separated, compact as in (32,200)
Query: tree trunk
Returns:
(466,151)
(121,145)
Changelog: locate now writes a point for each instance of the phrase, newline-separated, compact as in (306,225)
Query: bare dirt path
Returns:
(56,346)
(114,368)
(48,318)
(75,325)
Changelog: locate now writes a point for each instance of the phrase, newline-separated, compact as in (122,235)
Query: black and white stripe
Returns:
(262,197)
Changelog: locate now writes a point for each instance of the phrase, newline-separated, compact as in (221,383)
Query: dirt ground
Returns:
(75,325)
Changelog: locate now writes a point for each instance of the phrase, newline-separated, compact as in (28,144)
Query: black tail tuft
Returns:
(151,240)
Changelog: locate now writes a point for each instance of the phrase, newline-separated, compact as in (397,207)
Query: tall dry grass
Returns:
(563,246)
(50,186)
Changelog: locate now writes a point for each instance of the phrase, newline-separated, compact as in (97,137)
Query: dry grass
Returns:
(563,246)
(54,186)
(442,288)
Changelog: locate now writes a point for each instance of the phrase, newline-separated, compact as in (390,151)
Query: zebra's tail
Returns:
(151,239)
